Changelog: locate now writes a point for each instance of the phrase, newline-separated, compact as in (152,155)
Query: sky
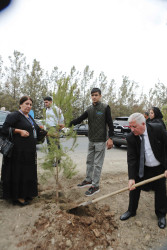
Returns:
(118,37)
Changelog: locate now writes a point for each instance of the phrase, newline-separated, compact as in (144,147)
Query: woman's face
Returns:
(26,106)
(151,114)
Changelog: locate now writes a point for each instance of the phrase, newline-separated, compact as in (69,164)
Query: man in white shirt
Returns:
(151,139)
(54,116)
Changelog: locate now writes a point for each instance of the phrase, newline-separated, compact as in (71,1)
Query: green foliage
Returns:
(13,79)
(54,152)
(158,95)
(164,112)
(19,78)
(85,80)
(35,85)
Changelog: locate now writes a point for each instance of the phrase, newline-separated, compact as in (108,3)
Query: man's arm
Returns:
(110,126)
(109,122)
(79,119)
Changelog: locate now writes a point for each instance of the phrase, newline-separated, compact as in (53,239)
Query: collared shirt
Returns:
(150,160)
(54,116)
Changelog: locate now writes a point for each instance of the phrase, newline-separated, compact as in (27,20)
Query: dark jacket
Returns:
(99,116)
(158,120)
(158,140)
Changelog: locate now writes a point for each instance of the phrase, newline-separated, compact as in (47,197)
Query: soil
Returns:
(47,224)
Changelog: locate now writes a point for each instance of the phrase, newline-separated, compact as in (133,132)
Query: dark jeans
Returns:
(158,186)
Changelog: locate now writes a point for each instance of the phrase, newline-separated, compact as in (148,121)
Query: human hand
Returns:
(130,184)
(24,133)
(165,173)
(61,126)
(109,143)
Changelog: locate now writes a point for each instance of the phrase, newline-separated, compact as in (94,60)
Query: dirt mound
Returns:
(45,224)
(89,228)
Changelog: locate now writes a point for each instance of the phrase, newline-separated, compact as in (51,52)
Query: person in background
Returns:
(99,116)
(156,116)
(19,173)
(54,118)
(31,113)
(146,155)
(146,115)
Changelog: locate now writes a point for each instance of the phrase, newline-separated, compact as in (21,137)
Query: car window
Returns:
(121,122)
(82,127)
(3,116)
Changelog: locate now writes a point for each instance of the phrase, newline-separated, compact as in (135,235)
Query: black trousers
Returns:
(158,186)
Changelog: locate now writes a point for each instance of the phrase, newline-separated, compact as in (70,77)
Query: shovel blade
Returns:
(73,210)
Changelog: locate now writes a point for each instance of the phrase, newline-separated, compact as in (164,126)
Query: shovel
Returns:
(86,203)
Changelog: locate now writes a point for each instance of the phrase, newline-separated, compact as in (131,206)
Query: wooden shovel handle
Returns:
(127,188)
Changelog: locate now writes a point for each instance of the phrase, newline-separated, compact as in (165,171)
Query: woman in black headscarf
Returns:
(156,116)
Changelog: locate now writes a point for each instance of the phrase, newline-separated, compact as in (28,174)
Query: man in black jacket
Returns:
(154,163)
(99,116)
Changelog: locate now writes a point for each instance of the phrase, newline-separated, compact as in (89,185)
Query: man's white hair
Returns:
(138,117)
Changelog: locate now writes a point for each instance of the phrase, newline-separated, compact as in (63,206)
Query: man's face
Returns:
(136,128)
(47,103)
(95,97)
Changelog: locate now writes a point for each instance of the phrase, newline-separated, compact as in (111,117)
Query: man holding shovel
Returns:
(147,152)
(99,116)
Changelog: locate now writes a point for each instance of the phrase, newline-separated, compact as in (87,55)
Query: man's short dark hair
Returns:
(146,113)
(96,90)
(48,98)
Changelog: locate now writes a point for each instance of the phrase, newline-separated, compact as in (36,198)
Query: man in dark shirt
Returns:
(99,116)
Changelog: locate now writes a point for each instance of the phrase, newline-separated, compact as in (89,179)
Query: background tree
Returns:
(18,78)
(127,98)
(14,78)
(164,112)
(85,81)
(158,95)
(35,85)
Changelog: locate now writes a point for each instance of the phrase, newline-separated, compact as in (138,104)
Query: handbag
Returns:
(41,135)
(6,145)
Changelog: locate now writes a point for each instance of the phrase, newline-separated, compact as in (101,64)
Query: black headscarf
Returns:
(157,113)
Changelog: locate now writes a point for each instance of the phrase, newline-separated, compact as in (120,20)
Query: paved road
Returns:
(115,158)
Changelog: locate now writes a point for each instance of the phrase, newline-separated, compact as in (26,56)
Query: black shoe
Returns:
(127,215)
(29,199)
(92,190)
(84,184)
(19,203)
(162,222)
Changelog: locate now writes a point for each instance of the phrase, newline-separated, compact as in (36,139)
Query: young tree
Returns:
(64,99)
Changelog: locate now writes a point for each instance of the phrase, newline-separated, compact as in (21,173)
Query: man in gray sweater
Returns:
(99,116)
